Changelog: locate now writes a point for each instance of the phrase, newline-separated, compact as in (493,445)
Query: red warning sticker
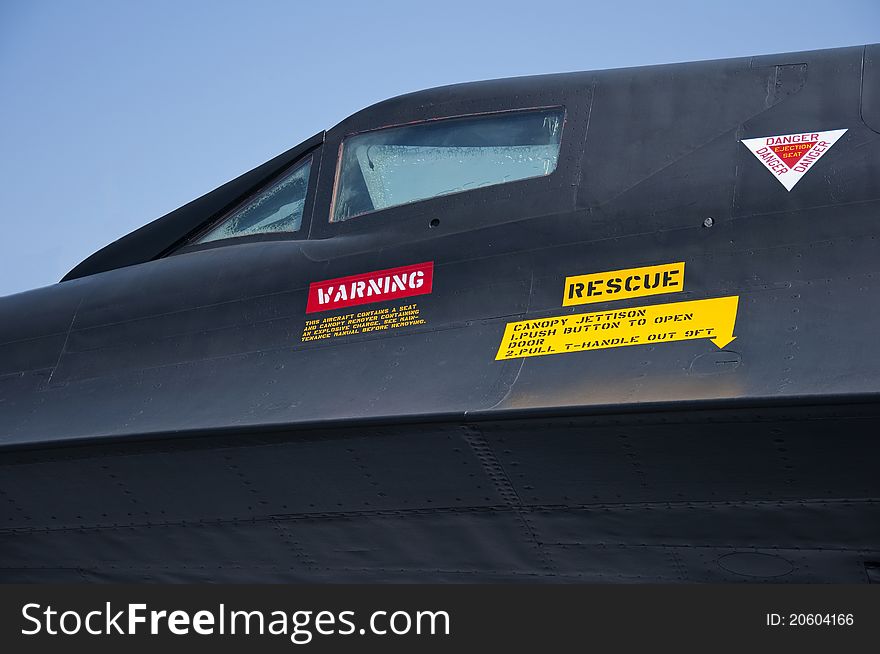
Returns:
(790,156)
(378,286)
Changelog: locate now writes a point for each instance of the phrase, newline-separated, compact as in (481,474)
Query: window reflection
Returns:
(278,207)
(395,166)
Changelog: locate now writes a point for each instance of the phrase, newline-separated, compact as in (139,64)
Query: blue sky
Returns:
(113,113)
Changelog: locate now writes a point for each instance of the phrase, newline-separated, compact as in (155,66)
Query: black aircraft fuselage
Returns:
(604,326)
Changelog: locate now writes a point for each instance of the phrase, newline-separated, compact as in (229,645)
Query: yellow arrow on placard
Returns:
(712,318)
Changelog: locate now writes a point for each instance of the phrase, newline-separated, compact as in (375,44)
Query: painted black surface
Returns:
(136,351)
(739,495)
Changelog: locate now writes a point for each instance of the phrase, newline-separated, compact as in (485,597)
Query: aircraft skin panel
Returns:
(657,362)
(170,369)
(870,110)
(769,495)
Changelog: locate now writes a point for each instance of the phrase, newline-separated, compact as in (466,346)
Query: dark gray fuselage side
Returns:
(161,419)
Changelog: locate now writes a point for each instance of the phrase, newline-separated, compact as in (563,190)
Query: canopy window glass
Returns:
(398,165)
(277,207)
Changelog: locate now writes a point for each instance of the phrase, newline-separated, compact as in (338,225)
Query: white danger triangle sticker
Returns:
(790,156)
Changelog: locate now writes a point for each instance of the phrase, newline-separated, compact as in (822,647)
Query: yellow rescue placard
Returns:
(623,284)
(713,318)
